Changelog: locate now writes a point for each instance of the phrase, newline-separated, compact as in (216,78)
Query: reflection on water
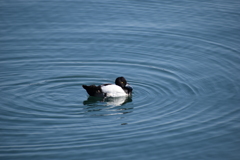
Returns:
(109,101)
(107,106)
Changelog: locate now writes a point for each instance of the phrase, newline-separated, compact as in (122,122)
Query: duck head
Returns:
(121,81)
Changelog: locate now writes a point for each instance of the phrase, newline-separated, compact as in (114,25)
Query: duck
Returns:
(119,89)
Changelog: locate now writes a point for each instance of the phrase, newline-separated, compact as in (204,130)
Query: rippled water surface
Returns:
(181,57)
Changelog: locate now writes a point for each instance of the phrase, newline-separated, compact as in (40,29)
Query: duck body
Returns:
(113,90)
(119,89)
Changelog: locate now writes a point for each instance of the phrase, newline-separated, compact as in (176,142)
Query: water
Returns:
(182,59)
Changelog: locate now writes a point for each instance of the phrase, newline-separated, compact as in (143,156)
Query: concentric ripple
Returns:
(182,59)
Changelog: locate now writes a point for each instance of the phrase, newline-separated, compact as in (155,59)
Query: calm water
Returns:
(181,57)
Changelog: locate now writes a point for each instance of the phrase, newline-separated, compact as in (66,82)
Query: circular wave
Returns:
(185,89)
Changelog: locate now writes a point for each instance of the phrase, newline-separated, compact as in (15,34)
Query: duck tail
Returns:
(92,89)
(85,86)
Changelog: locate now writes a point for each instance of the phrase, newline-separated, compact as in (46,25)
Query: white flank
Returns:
(113,91)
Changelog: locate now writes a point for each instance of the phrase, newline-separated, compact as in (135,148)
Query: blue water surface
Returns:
(181,57)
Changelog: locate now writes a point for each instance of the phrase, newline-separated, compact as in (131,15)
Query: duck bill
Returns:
(129,87)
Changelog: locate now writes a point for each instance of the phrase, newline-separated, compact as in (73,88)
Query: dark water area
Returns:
(181,57)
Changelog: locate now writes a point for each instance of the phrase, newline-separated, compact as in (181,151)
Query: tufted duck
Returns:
(120,88)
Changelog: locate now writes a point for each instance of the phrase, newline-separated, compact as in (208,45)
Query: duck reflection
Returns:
(109,101)
(107,106)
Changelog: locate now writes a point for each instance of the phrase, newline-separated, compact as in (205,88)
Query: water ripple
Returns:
(182,60)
